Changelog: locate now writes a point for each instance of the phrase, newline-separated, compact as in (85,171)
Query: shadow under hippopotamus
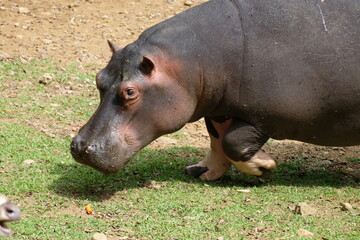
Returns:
(298,164)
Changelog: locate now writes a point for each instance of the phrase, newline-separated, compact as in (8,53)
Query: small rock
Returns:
(325,163)
(48,14)
(304,209)
(171,1)
(46,78)
(151,184)
(188,3)
(26,27)
(73,5)
(346,206)
(305,233)
(23,10)
(166,140)
(244,190)
(28,162)
(24,59)
(47,41)
(99,236)
(225,193)
(4,56)
(220,238)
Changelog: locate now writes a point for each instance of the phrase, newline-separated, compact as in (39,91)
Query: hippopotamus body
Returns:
(254,69)
(8,212)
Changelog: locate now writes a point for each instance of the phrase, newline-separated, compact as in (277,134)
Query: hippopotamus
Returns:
(253,69)
(8,212)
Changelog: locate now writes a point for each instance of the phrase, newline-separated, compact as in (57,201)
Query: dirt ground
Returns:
(77,30)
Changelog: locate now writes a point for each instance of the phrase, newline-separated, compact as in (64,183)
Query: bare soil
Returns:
(77,30)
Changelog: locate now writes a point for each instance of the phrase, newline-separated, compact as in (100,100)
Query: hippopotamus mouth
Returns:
(8,213)
(4,230)
(102,165)
(106,157)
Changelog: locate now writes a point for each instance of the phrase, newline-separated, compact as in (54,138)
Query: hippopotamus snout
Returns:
(105,155)
(8,213)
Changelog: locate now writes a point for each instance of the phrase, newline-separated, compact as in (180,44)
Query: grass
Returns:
(54,190)
(354,160)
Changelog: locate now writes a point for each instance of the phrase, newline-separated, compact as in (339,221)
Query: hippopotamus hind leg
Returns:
(232,142)
(242,145)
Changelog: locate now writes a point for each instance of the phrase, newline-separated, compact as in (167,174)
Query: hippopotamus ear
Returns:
(113,47)
(147,66)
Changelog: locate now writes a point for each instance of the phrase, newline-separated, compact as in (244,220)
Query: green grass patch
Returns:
(16,70)
(354,160)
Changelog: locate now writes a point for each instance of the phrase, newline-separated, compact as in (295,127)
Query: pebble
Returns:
(99,236)
(4,56)
(166,140)
(49,14)
(28,162)
(151,184)
(46,78)
(304,209)
(244,190)
(188,3)
(305,233)
(47,41)
(346,206)
(23,10)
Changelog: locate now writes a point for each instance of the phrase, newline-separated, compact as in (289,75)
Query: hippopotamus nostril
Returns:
(79,146)
(12,211)
(91,149)
(75,145)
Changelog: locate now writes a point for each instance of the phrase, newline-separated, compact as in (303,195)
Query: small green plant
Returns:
(353,160)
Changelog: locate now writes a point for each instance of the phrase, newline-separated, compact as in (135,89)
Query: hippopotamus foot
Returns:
(257,165)
(212,167)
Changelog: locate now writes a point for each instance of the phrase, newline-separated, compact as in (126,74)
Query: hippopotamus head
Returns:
(140,99)
(8,212)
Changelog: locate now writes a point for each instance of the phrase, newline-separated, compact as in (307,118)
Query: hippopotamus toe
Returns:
(195,171)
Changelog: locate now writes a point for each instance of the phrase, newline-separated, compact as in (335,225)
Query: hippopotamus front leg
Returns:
(232,141)
(215,164)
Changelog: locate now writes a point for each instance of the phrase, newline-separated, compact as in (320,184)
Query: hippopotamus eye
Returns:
(130,92)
